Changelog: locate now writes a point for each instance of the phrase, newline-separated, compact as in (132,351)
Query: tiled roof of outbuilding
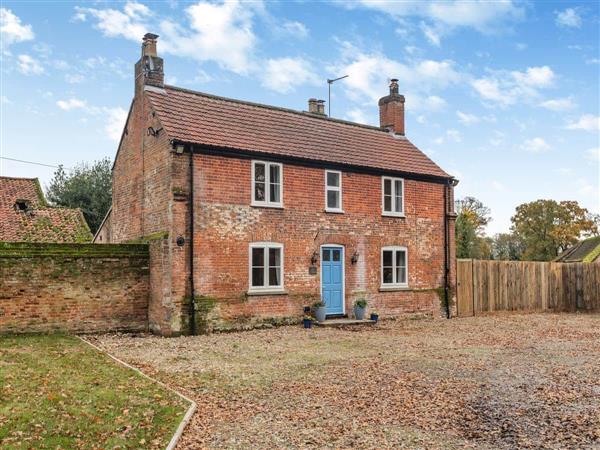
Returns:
(38,222)
(199,118)
(587,250)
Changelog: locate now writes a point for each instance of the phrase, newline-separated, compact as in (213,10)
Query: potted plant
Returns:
(374,316)
(319,310)
(360,307)
(307,321)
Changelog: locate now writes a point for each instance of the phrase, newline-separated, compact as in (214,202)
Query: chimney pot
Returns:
(312,106)
(321,107)
(391,110)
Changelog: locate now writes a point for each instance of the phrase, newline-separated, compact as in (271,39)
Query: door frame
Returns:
(343,260)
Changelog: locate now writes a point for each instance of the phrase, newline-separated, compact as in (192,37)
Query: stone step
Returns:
(338,323)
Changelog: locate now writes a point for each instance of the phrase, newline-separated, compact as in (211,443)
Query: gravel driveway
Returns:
(506,381)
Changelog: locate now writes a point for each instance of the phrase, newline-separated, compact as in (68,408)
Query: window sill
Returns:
(334,211)
(266,205)
(389,214)
(393,288)
(252,293)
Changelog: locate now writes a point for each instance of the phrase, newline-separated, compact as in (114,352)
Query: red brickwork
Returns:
(226,223)
(75,288)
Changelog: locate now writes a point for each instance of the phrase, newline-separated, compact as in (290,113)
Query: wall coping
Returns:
(71,250)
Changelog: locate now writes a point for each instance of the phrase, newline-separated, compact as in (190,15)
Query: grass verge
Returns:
(57,392)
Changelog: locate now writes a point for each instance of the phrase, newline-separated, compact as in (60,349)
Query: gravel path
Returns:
(497,382)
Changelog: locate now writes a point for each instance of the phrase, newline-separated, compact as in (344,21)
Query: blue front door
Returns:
(332,279)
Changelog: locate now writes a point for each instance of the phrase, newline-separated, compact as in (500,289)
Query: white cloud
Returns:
(12,30)
(568,18)
(535,145)
(558,104)
(369,75)
(29,66)
(283,74)
(466,118)
(521,46)
(357,115)
(592,61)
(293,28)
(115,23)
(115,122)
(4,100)
(72,103)
(134,9)
(451,135)
(421,119)
(441,17)
(74,78)
(508,88)
(587,122)
(593,154)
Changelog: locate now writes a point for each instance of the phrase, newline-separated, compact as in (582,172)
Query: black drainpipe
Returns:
(191,241)
(446,253)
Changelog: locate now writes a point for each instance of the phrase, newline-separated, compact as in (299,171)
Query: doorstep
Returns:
(337,323)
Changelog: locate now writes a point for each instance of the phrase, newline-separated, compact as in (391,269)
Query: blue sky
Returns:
(504,95)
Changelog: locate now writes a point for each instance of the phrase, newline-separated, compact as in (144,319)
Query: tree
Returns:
(547,228)
(87,187)
(506,246)
(472,217)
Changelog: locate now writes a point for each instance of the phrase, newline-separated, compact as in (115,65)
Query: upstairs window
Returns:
(266,184)
(266,266)
(394,267)
(333,191)
(392,191)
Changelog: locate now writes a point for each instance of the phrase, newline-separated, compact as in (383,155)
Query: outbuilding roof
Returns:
(25,215)
(203,119)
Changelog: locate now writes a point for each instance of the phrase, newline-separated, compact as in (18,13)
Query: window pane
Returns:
(336,254)
(274,257)
(274,276)
(333,179)
(259,192)
(258,276)
(387,275)
(274,194)
(401,258)
(326,255)
(387,258)
(398,195)
(274,174)
(258,257)
(387,187)
(401,275)
(333,199)
(259,172)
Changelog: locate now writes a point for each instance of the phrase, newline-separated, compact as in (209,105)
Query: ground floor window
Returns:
(394,267)
(266,266)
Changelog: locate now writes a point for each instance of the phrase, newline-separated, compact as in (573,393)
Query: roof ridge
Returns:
(18,178)
(277,108)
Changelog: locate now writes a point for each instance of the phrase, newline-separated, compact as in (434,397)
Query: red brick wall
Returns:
(226,224)
(73,287)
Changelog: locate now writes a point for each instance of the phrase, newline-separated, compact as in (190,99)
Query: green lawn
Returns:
(57,392)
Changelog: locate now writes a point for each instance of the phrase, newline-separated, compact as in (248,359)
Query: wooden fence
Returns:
(487,286)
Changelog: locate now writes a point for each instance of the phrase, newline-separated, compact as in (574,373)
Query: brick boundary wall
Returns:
(73,287)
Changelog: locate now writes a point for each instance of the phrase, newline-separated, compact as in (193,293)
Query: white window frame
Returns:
(395,284)
(267,203)
(266,246)
(335,189)
(393,212)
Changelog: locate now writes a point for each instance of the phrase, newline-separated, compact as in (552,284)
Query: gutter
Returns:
(451,183)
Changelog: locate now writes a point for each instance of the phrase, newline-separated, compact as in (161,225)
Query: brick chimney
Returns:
(149,69)
(391,110)
(316,106)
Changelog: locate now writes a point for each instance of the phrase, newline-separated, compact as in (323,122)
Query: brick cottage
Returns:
(254,211)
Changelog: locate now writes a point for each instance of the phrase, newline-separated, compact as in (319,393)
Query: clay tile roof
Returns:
(37,222)
(587,250)
(198,118)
